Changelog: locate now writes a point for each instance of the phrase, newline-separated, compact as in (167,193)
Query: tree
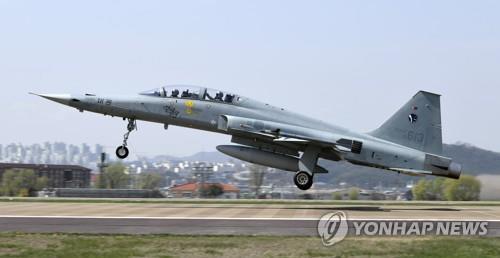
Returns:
(115,176)
(41,182)
(428,189)
(22,182)
(354,193)
(467,188)
(8,183)
(419,190)
(214,190)
(337,196)
(257,173)
(149,181)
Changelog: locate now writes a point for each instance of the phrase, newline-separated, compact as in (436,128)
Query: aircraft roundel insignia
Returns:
(413,118)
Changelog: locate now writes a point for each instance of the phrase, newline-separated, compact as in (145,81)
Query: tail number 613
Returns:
(415,137)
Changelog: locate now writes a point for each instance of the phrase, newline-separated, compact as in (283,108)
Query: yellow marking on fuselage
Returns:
(189,107)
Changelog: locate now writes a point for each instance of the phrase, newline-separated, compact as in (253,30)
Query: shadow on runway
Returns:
(342,208)
(373,208)
(425,209)
(347,208)
(330,208)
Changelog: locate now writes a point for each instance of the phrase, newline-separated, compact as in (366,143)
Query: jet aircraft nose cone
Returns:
(59,98)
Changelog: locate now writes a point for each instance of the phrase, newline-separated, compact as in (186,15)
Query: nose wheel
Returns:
(303,180)
(122,150)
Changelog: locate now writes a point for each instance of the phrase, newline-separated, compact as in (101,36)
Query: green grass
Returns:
(251,201)
(75,245)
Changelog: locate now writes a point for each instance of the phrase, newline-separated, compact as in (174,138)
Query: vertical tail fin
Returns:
(416,125)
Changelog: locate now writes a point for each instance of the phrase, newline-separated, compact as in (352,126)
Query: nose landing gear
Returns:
(122,150)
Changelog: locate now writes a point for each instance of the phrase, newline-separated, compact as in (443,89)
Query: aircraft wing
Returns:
(287,134)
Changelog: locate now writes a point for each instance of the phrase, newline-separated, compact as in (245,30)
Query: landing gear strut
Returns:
(303,180)
(122,150)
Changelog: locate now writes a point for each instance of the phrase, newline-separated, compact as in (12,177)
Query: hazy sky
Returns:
(351,63)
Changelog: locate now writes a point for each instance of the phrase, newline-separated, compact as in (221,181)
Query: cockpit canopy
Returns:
(192,92)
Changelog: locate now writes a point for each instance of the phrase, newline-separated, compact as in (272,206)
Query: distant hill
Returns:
(475,160)
(211,156)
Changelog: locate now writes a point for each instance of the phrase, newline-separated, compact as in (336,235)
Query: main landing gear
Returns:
(122,150)
(303,180)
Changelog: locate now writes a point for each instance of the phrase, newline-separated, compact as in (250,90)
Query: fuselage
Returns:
(204,114)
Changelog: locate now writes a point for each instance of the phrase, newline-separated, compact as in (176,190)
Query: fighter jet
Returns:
(410,142)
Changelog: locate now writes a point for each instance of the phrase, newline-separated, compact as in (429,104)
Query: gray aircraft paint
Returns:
(409,142)
(417,124)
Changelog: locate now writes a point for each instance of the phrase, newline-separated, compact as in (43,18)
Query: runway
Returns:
(218,219)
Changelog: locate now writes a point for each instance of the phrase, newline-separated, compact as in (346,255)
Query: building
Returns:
(59,176)
(194,190)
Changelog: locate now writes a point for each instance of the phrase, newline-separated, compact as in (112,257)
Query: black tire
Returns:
(303,180)
(121,152)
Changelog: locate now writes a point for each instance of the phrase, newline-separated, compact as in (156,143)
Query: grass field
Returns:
(249,201)
(73,245)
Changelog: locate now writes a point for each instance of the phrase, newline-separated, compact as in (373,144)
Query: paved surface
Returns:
(168,218)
